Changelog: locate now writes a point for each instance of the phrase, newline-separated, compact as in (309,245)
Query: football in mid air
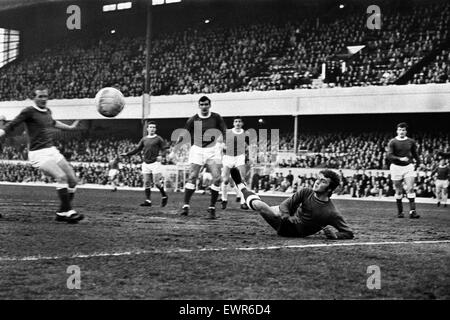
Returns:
(109,102)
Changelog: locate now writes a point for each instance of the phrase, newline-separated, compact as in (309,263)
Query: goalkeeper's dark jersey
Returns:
(314,214)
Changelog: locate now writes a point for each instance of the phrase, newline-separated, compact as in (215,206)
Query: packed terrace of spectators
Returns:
(272,55)
(338,150)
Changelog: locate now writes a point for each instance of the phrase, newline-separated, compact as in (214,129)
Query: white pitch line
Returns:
(180,250)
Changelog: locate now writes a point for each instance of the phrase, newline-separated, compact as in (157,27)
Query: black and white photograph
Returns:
(241,152)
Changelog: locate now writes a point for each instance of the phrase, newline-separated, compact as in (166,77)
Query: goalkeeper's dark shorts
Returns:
(292,230)
(285,228)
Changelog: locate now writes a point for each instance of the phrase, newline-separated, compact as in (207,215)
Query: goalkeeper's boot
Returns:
(244,206)
(413,214)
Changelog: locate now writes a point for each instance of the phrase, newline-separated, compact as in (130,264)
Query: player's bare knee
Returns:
(61,178)
(72,182)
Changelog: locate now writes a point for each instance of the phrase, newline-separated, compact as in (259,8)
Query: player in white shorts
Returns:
(113,172)
(43,154)
(153,147)
(442,181)
(401,153)
(236,141)
(204,131)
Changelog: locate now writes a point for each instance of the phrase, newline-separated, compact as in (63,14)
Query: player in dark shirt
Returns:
(43,154)
(204,130)
(113,172)
(235,147)
(153,148)
(442,172)
(307,212)
(402,152)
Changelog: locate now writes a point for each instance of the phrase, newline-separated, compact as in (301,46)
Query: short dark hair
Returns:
(238,118)
(402,125)
(334,179)
(203,99)
(40,88)
(151,122)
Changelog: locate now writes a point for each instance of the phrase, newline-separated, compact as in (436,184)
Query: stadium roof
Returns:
(16,4)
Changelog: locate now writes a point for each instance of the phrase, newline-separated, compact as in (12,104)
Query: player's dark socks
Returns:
(148,193)
(214,197)
(249,197)
(188,195)
(163,192)
(164,200)
(399,206)
(412,203)
(236,175)
(71,194)
(64,198)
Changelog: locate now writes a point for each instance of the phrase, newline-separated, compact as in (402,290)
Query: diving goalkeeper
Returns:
(307,212)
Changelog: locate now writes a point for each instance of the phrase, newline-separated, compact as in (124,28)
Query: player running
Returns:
(305,213)
(113,172)
(442,172)
(401,153)
(153,147)
(205,129)
(44,155)
(236,140)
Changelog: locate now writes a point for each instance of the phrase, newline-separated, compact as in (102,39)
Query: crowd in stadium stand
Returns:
(339,150)
(358,151)
(259,56)
(438,71)
(361,184)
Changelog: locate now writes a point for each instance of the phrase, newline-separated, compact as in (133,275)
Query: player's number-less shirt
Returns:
(402,148)
(236,142)
(443,173)
(214,121)
(314,214)
(39,124)
(114,164)
(151,146)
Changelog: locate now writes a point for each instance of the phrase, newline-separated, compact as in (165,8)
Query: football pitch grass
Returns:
(125,251)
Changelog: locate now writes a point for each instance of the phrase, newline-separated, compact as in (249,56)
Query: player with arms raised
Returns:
(236,141)
(44,155)
(153,147)
(401,153)
(205,129)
